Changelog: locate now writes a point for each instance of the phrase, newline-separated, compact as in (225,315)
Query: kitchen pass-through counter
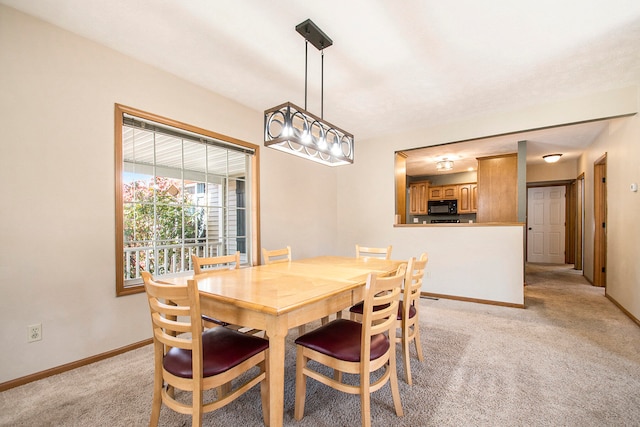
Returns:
(479,262)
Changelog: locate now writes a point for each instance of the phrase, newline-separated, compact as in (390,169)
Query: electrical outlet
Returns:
(427,274)
(34,332)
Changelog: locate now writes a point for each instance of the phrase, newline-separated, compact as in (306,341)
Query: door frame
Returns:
(600,221)
(570,212)
(579,222)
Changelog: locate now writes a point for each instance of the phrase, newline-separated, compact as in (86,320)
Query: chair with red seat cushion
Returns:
(357,348)
(188,359)
(407,312)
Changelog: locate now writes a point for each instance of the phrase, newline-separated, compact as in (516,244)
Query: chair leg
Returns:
(264,393)
(324,320)
(301,384)
(301,330)
(157,400)
(365,401)
(416,340)
(406,356)
(196,407)
(395,389)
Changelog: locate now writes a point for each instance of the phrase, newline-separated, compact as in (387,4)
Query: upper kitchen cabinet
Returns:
(468,198)
(498,188)
(418,197)
(443,192)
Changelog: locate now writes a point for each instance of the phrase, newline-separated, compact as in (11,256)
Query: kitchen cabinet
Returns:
(443,192)
(418,197)
(468,198)
(498,188)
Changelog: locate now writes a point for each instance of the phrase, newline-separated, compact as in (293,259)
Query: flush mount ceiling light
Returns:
(294,130)
(444,165)
(551,158)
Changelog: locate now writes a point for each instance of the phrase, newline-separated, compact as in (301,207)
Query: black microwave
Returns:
(443,207)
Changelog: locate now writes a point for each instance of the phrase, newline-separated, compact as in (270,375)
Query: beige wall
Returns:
(621,144)
(563,170)
(57,228)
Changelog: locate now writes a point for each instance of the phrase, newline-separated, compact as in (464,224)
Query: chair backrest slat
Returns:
(276,255)
(368,251)
(202,264)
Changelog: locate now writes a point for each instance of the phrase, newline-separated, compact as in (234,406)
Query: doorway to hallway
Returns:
(546,224)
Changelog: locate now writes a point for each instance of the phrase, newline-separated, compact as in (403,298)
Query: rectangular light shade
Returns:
(294,130)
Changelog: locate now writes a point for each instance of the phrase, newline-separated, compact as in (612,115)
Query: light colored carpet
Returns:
(571,358)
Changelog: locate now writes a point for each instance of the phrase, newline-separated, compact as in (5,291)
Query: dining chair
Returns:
(276,255)
(207,265)
(357,348)
(367,251)
(193,361)
(282,255)
(408,319)
(408,312)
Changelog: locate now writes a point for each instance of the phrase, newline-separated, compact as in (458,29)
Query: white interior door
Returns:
(546,224)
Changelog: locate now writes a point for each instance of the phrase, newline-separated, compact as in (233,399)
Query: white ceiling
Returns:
(406,64)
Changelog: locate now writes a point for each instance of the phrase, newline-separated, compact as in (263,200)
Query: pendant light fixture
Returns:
(296,131)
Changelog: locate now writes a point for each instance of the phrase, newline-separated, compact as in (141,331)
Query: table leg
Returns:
(277,333)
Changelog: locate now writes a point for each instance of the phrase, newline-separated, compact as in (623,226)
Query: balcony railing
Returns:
(168,258)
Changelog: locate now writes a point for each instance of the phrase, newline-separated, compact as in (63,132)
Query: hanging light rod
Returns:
(296,131)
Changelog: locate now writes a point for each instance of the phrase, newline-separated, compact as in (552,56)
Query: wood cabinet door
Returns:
(413,199)
(418,196)
(474,197)
(464,201)
(468,198)
(450,192)
(435,193)
(498,188)
(423,198)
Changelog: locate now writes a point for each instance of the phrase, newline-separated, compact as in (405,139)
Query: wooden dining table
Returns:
(278,297)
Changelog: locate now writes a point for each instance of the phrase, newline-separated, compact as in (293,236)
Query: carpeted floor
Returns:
(570,358)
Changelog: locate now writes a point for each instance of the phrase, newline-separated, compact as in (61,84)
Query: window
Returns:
(180,191)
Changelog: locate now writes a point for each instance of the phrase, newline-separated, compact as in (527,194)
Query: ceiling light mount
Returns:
(444,165)
(313,34)
(294,130)
(551,158)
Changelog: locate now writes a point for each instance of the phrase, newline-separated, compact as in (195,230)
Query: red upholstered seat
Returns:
(341,339)
(222,349)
